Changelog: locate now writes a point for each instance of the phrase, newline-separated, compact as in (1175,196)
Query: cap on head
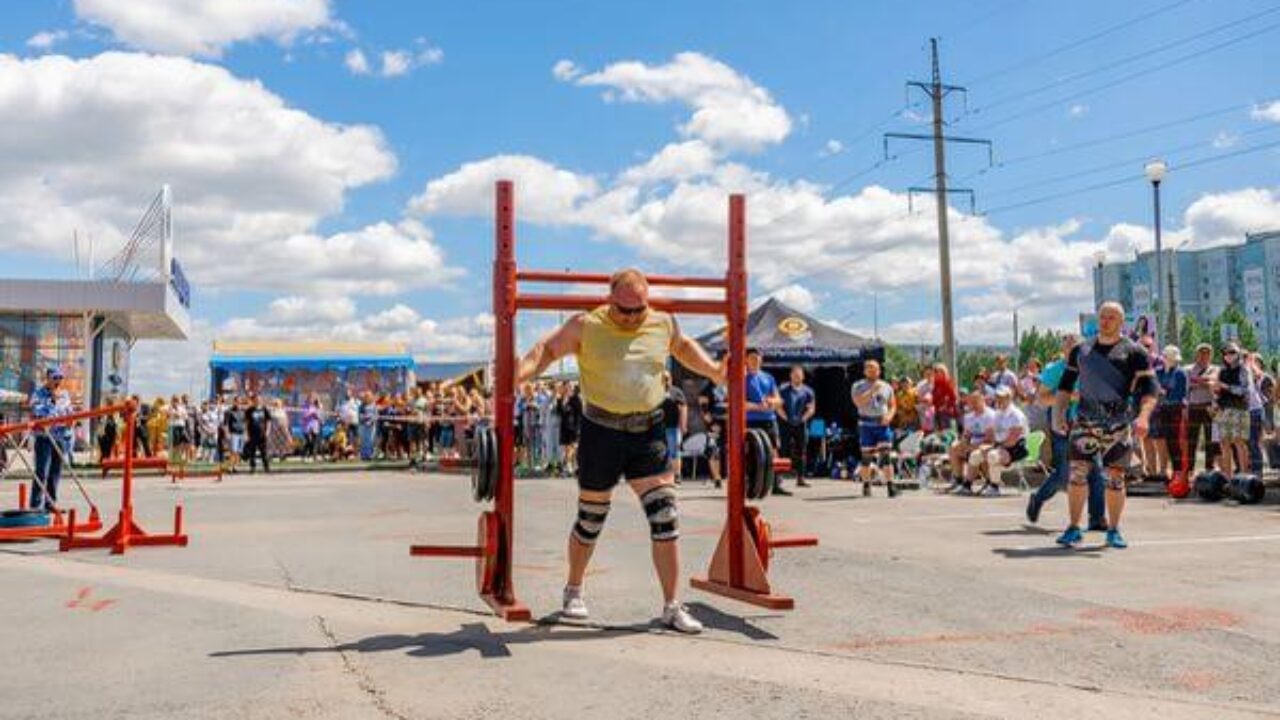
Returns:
(1204,347)
(53,373)
(1004,392)
(1172,354)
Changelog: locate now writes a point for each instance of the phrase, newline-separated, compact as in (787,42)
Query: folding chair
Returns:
(1035,442)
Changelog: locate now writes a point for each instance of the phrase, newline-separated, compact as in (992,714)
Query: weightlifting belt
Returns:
(624,422)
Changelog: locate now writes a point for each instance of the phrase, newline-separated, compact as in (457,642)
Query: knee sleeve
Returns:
(660,508)
(1079,474)
(884,458)
(591,517)
(1115,480)
(995,466)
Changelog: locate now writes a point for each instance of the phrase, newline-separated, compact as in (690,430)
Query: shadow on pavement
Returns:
(1049,551)
(471,636)
(478,637)
(833,498)
(1024,530)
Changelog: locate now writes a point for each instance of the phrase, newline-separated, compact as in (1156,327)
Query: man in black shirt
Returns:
(257,421)
(1115,377)
(675,418)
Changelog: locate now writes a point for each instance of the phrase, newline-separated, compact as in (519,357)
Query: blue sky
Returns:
(795,97)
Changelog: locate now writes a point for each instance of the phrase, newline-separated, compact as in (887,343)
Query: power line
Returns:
(1123,163)
(1131,76)
(1121,62)
(1125,135)
(1128,178)
(1037,59)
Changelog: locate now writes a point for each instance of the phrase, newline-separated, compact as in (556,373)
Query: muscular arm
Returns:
(690,354)
(564,341)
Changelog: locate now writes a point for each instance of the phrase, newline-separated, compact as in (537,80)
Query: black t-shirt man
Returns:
(257,419)
(1112,378)
(671,405)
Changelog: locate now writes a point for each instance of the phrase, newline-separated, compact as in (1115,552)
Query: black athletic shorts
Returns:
(605,455)
(1018,452)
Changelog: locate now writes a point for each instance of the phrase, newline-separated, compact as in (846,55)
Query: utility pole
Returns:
(937,90)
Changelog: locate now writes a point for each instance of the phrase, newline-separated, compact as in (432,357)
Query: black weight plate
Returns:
(1248,489)
(494,463)
(480,469)
(770,476)
(751,458)
(1211,486)
(762,487)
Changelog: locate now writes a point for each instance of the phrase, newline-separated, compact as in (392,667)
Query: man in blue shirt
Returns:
(763,402)
(798,406)
(48,401)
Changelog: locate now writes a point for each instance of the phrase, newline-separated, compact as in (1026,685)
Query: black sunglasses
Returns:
(629,311)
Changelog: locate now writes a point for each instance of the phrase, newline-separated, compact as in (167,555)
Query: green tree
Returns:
(899,363)
(969,362)
(1042,345)
(1248,337)
(1190,335)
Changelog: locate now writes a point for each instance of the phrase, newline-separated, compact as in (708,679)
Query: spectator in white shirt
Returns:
(1010,435)
(969,452)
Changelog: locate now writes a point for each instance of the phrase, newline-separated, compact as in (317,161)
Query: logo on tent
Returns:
(793,327)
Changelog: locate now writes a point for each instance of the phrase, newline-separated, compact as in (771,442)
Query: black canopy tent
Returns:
(832,357)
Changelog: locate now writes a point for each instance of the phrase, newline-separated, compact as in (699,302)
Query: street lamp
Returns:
(1099,259)
(1155,171)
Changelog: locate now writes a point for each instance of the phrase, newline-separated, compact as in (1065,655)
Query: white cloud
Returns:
(832,147)
(677,161)
(251,176)
(797,296)
(1078,110)
(356,62)
(544,193)
(1224,140)
(1224,218)
(1269,112)
(302,309)
(565,70)
(201,27)
(46,39)
(729,110)
(396,63)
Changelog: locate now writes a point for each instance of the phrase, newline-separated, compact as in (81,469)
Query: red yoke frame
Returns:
(126,532)
(737,569)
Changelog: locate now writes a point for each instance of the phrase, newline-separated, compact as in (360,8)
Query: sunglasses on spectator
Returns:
(629,311)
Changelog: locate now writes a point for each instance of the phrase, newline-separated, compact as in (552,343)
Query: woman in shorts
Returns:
(1231,424)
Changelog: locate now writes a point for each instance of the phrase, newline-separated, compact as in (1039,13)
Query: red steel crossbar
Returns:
(590,302)
(575,277)
(737,569)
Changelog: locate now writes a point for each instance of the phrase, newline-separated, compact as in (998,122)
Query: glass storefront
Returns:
(31,343)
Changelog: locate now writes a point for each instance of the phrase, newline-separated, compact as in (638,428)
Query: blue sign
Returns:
(178,280)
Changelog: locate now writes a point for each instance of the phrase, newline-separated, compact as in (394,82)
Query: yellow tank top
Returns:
(621,370)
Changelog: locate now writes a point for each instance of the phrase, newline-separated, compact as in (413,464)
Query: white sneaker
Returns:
(574,608)
(677,617)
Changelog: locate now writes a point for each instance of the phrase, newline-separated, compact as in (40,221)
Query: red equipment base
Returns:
(180,472)
(493,567)
(126,534)
(138,464)
(753,588)
(59,528)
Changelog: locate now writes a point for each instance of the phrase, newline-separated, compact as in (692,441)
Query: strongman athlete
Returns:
(1115,381)
(623,348)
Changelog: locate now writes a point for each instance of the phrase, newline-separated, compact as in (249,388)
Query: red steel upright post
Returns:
(504,346)
(736,295)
